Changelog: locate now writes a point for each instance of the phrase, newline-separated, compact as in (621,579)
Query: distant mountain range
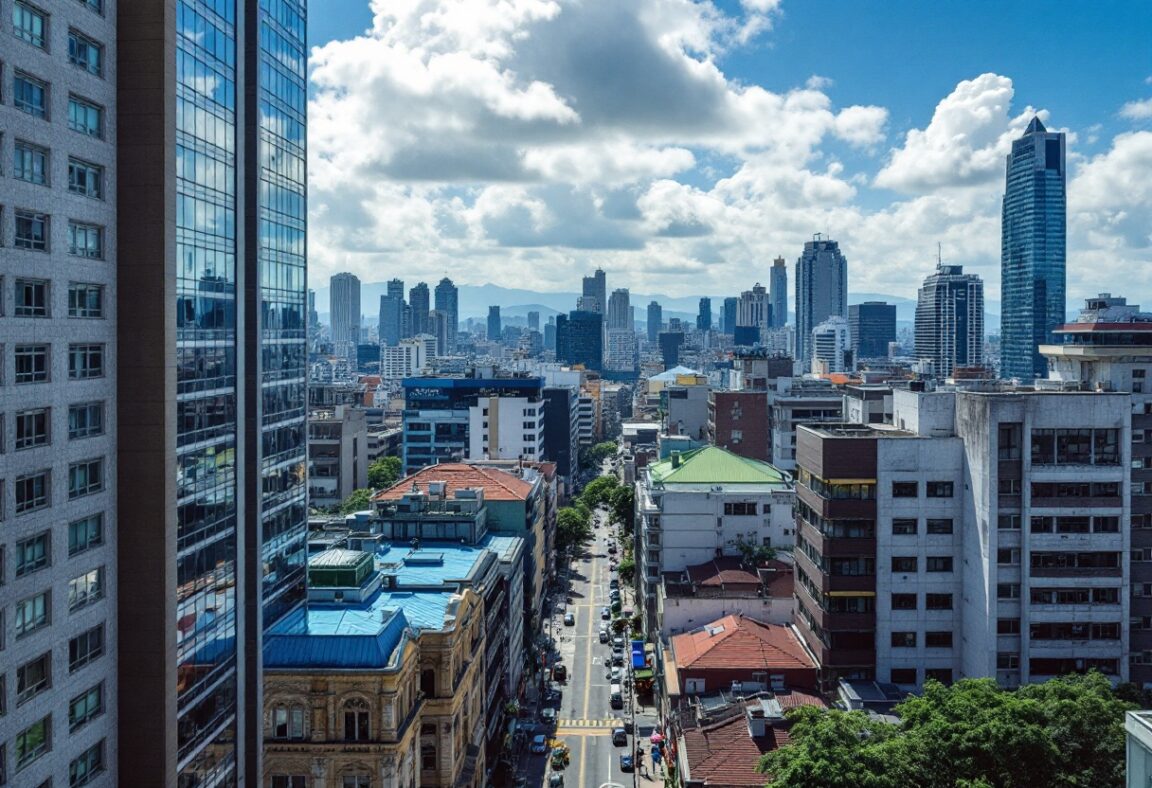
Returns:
(474,301)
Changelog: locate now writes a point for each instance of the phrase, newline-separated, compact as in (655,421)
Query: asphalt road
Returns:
(586,718)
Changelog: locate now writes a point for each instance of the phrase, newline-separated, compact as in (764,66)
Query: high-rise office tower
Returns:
(754,313)
(728,315)
(1032,251)
(211,406)
(670,342)
(533,321)
(438,327)
(580,339)
(344,307)
(832,347)
(391,320)
(59,529)
(655,321)
(403,317)
(494,324)
(447,301)
(550,334)
(821,291)
(704,315)
(778,284)
(313,316)
(596,286)
(872,325)
(950,320)
(619,311)
(419,304)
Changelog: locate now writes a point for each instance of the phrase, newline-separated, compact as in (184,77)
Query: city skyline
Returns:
(681,205)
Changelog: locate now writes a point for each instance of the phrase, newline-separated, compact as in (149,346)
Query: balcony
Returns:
(836,545)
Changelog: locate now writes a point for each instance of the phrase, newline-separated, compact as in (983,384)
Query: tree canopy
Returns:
(1065,732)
(357,501)
(599,491)
(573,527)
(623,507)
(384,472)
(594,455)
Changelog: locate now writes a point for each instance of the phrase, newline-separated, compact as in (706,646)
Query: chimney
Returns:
(675,459)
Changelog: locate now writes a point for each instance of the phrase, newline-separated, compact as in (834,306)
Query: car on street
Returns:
(604,636)
(539,744)
(611,548)
(626,762)
(615,673)
(548,716)
(614,585)
(553,693)
(560,672)
(569,619)
(605,613)
(619,737)
(556,780)
(617,656)
(618,642)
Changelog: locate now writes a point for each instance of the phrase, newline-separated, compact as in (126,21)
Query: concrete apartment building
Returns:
(701,505)
(507,428)
(738,422)
(58,419)
(1109,348)
(982,534)
(337,454)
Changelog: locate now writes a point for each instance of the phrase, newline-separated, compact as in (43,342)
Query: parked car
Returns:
(626,762)
(560,672)
(615,673)
(617,656)
(604,637)
(556,780)
(618,642)
(619,737)
(569,619)
(539,744)
(611,548)
(614,584)
(614,595)
(605,613)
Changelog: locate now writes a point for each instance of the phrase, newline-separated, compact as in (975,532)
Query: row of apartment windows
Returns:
(35,552)
(32,232)
(33,298)
(32,163)
(31,25)
(35,741)
(32,362)
(934,563)
(935,639)
(34,612)
(34,427)
(33,490)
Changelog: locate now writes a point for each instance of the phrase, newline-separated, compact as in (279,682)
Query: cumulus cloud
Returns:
(1137,110)
(523,142)
(965,144)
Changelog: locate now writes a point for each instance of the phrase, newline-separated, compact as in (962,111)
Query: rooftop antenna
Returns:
(939,255)
(817,236)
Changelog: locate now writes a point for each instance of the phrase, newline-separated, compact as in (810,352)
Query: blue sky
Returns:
(699,141)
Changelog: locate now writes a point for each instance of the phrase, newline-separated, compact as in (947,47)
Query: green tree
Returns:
(622,504)
(752,554)
(599,491)
(1065,732)
(358,501)
(573,528)
(627,570)
(594,455)
(384,473)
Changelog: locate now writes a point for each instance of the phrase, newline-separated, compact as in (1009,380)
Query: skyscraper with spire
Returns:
(1033,238)
(447,303)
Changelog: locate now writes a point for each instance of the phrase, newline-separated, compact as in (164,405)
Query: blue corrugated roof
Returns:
(504,546)
(430,566)
(352,636)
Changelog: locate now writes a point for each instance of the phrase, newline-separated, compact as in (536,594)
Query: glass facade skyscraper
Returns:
(213,395)
(1032,251)
(447,303)
(821,291)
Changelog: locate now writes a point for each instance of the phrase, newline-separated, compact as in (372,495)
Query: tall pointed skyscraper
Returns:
(778,289)
(447,303)
(1032,251)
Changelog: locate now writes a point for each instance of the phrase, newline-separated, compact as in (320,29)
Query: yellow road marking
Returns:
(588,648)
(583,759)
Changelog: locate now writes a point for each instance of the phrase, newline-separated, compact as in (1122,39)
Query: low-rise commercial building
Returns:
(695,595)
(337,454)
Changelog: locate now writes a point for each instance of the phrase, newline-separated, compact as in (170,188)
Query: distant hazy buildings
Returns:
(872,326)
(655,321)
(753,315)
(495,327)
(670,342)
(779,286)
(595,287)
(419,306)
(821,291)
(533,321)
(1032,251)
(619,311)
(950,320)
(447,303)
(831,347)
(344,308)
(704,315)
(728,315)
(580,339)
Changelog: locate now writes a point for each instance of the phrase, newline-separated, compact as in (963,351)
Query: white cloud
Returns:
(523,142)
(965,143)
(1137,110)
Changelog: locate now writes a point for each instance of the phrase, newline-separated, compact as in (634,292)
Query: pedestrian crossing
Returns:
(607,722)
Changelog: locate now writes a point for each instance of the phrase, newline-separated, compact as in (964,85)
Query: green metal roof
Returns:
(713,465)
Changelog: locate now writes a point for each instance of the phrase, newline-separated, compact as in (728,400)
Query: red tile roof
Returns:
(730,570)
(794,699)
(738,642)
(497,485)
(725,755)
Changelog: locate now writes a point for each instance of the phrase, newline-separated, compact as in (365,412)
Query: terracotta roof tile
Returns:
(794,699)
(725,755)
(497,485)
(740,642)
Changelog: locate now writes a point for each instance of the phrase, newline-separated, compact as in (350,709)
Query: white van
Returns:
(617,696)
